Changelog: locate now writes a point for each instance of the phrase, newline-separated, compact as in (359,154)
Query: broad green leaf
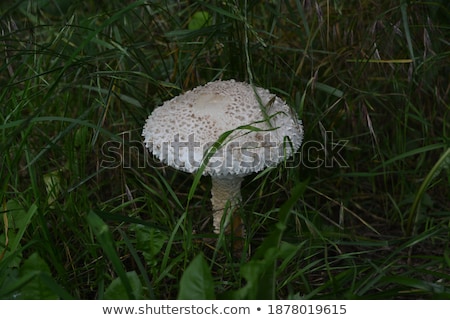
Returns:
(199,20)
(16,215)
(117,290)
(9,259)
(259,275)
(31,274)
(150,241)
(20,219)
(196,282)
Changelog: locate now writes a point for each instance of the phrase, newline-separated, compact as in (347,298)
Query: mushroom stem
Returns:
(226,195)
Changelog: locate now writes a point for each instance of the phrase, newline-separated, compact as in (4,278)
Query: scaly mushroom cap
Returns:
(256,129)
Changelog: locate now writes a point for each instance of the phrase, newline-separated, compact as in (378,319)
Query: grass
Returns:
(361,213)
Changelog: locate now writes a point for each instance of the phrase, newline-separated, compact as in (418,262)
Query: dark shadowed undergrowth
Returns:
(361,212)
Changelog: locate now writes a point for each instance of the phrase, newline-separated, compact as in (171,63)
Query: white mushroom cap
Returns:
(262,129)
(254,129)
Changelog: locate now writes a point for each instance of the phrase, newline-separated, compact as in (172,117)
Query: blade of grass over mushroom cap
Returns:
(209,153)
(223,140)
(220,142)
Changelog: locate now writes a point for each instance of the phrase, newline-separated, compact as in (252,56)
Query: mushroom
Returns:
(236,127)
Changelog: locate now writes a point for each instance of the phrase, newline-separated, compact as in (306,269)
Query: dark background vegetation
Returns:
(88,214)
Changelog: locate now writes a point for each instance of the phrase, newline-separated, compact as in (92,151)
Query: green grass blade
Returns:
(104,237)
(93,33)
(260,272)
(140,266)
(443,161)
(404,10)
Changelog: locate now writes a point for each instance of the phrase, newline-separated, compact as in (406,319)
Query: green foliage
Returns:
(260,271)
(361,213)
(199,20)
(105,239)
(118,291)
(32,281)
(197,282)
